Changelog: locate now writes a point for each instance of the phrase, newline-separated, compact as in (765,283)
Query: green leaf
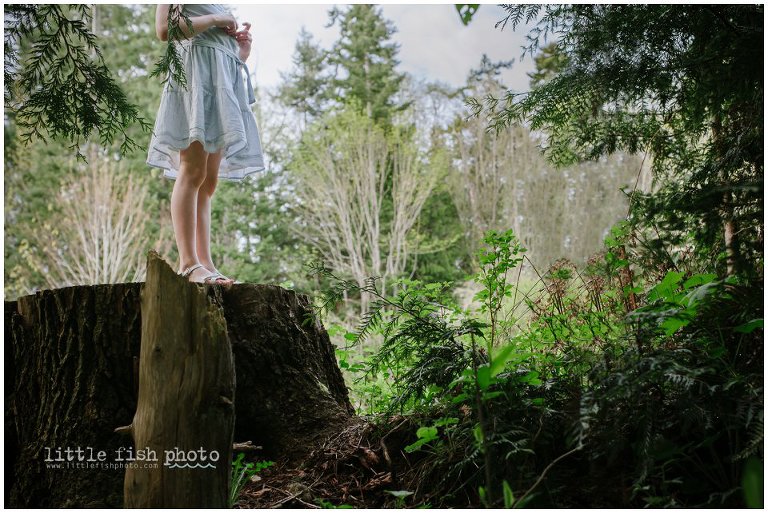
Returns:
(697,294)
(672,324)
(752,483)
(350,336)
(425,434)
(481,296)
(460,398)
(509,497)
(478,432)
(482,494)
(666,288)
(484,377)
(750,326)
(500,360)
(446,421)
(532,378)
(414,446)
(698,279)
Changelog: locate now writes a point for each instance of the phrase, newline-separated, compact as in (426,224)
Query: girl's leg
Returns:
(203,231)
(184,199)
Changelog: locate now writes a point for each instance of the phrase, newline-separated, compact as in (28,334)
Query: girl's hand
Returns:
(244,40)
(226,22)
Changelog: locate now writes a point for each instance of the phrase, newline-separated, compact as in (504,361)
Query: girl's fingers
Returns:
(243,34)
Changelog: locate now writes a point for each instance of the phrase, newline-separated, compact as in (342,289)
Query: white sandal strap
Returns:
(189,270)
(213,277)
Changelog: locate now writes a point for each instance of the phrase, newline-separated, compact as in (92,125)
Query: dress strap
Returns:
(228,51)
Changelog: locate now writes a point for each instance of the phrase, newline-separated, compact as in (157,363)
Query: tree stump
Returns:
(68,382)
(290,390)
(185,412)
(70,358)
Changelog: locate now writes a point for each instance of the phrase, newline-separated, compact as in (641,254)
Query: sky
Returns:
(434,44)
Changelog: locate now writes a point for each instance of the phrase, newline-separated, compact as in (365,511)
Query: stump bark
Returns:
(290,390)
(70,381)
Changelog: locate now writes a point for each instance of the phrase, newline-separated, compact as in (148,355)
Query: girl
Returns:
(206,130)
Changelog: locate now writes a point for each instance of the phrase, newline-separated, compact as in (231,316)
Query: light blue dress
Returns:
(213,109)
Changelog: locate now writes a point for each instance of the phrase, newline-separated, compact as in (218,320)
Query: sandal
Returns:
(213,277)
(220,276)
(208,280)
(189,270)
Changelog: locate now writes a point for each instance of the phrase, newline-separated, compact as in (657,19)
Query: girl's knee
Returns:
(208,186)
(194,164)
(192,174)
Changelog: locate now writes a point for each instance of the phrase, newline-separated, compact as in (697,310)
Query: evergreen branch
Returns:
(63,89)
(170,65)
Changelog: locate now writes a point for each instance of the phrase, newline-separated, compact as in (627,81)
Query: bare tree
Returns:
(485,185)
(501,180)
(101,235)
(359,193)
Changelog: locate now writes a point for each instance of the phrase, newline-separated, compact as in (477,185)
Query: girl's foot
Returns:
(220,276)
(199,274)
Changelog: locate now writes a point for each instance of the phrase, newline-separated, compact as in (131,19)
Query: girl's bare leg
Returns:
(184,199)
(203,230)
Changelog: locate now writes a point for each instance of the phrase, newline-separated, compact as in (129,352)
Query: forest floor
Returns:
(358,467)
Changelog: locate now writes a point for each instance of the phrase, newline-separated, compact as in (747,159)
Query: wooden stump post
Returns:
(184,418)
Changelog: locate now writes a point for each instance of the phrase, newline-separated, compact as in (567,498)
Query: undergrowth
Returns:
(609,385)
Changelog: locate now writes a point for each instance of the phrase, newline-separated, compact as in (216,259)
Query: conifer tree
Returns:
(304,88)
(365,57)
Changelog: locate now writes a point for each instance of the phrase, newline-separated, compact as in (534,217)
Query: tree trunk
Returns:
(185,412)
(70,356)
(729,234)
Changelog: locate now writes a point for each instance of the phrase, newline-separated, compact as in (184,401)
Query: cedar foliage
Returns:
(55,77)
